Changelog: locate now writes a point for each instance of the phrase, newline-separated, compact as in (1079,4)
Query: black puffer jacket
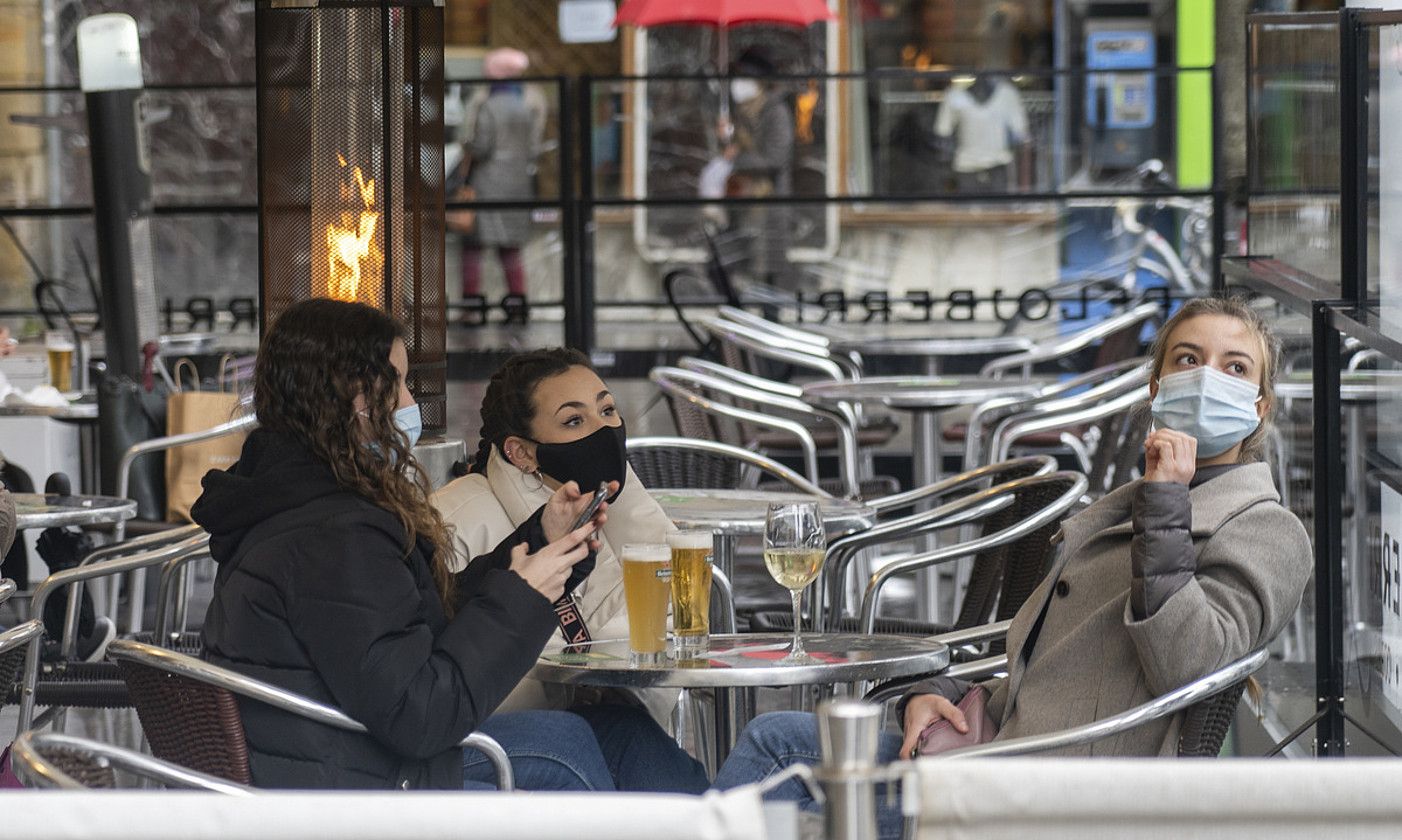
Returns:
(314,593)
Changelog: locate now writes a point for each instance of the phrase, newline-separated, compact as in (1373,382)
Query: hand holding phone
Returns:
(593,506)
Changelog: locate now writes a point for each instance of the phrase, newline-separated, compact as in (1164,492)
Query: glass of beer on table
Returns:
(60,347)
(647,589)
(691,591)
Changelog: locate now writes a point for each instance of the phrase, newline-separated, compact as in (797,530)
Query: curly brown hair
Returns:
(313,362)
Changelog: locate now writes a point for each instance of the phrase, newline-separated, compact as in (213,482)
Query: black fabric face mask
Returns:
(601,456)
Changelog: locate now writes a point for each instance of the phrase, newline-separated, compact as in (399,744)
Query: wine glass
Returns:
(794,548)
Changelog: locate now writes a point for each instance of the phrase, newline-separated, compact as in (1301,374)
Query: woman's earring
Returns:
(540,482)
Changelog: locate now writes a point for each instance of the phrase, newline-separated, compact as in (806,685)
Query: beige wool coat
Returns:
(1092,658)
(483,510)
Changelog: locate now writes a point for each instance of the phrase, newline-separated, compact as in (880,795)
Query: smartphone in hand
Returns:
(593,506)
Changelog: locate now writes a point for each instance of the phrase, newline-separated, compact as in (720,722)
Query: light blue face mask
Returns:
(410,422)
(1218,410)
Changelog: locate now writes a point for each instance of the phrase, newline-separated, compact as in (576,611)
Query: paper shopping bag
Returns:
(196,410)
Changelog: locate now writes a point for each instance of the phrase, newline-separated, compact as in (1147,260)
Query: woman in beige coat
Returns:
(1155,585)
(547,419)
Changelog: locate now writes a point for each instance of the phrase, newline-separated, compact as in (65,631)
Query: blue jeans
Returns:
(776,740)
(603,747)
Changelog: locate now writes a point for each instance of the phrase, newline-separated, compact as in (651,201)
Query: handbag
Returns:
(941,735)
(8,779)
(195,410)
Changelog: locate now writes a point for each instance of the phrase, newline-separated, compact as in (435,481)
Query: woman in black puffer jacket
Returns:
(334,582)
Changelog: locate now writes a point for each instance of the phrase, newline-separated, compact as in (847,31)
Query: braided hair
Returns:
(509,405)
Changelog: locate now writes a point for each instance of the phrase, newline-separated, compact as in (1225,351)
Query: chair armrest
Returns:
(1016,531)
(7,588)
(28,755)
(1160,707)
(970,635)
(981,669)
(896,501)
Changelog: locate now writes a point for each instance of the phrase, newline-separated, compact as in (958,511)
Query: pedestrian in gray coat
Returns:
(1155,585)
(502,136)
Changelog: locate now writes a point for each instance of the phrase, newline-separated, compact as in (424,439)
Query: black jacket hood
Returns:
(275,473)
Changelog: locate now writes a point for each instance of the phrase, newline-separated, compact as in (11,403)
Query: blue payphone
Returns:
(1119,103)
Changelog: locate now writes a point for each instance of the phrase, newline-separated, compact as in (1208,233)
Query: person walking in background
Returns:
(760,144)
(501,135)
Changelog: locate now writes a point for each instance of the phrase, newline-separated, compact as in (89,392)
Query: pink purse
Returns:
(941,735)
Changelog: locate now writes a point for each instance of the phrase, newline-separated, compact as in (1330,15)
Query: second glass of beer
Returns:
(647,579)
(691,591)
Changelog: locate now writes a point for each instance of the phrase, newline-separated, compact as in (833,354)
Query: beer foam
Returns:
(646,553)
(690,539)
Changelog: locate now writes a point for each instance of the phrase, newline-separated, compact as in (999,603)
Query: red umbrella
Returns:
(722,13)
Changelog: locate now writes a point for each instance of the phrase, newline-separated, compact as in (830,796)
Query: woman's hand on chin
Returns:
(565,506)
(1170,456)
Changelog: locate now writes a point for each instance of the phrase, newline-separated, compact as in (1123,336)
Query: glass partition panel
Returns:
(1384,133)
(1293,142)
(1288,679)
(1372,532)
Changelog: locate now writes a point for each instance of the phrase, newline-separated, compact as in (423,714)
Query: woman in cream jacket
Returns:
(547,419)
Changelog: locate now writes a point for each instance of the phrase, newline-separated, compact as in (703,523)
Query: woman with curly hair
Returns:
(337,580)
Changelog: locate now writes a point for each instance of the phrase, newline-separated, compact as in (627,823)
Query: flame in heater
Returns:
(355,260)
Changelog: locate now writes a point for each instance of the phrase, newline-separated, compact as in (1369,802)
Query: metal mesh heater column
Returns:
(350,167)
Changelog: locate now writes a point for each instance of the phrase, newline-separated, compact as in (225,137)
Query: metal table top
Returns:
(742,512)
(1354,386)
(919,392)
(81,410)
(748,660)
(40,510)
(923,338)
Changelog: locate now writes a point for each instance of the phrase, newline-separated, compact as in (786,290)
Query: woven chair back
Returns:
(190,723)
(685,468)
(1205,724)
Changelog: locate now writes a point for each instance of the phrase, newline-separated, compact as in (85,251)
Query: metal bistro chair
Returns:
(1119,426)
(1102,382)
(1050,497)
(245,423)
(746,349)
(69,682)
(710,407)
(190,714)
(1209,703)
(678,462)
(995,509)
(1118,338)
(64,762)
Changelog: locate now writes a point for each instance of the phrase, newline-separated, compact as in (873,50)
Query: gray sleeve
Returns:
(949,688)
(773,143)
(1162,558)
(7,520)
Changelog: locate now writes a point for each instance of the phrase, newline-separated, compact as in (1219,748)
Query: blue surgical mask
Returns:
(1217,410)
(410,422)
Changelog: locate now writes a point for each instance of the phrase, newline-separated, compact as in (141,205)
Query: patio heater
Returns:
(350,167)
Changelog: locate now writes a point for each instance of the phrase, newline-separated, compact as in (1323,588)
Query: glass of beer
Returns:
(691,591)
(647,588)
(60,347)
(794,548)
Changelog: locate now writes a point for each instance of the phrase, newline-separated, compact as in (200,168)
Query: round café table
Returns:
(732,514)
(737,663)
(46,510)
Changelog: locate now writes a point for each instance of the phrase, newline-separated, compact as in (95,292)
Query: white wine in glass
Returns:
(794,548)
